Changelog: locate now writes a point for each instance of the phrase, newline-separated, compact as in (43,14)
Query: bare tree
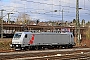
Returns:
(88,34)
(23,18)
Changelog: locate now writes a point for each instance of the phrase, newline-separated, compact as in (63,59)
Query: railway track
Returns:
(63,54)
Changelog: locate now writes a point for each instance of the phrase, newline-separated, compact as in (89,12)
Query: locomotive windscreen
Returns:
(17,35)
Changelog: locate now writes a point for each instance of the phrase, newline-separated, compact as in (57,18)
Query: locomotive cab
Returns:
(18,40)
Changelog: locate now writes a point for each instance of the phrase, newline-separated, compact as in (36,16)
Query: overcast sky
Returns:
(44,9)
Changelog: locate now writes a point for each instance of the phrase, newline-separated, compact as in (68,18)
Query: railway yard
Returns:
(45,30)
(56,54)
(75,53)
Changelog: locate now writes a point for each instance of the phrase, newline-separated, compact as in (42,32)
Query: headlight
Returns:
(10,45)
(16,45)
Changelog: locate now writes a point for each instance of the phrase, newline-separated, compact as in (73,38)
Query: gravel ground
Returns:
(63,54)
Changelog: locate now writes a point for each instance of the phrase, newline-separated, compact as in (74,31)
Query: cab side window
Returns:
(26,36)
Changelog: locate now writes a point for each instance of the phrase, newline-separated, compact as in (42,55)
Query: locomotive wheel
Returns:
(37,48)
(27,48)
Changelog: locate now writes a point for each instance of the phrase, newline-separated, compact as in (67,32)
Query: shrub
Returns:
(4,44)
(88,34)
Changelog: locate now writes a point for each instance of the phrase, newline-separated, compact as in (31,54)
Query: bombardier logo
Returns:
(32,39)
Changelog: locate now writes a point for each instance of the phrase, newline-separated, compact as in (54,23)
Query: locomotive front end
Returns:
(17,40)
